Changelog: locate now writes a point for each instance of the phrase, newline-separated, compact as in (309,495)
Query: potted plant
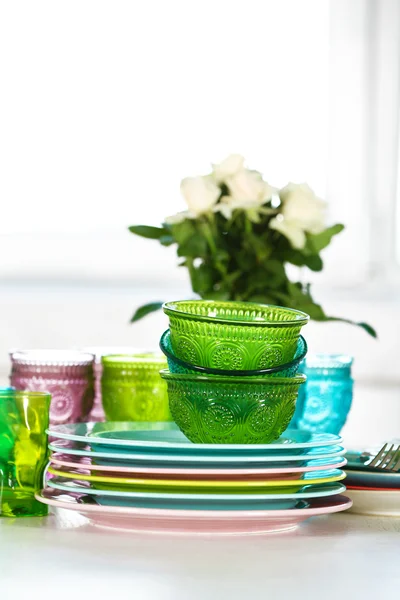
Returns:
(239,233)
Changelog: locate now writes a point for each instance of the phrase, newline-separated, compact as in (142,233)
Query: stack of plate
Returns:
(373,491)
(148,476)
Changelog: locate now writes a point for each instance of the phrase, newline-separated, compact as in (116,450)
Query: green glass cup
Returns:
(132,389)
(24,418)
(233,336)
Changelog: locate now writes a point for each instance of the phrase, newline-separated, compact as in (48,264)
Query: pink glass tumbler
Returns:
(67,375)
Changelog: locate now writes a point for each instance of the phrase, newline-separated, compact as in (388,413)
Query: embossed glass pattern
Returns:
(24,418)
(177,365)
(223,410)
(325,400)
(132,389)
(233,335)
(66,375)
(97,412)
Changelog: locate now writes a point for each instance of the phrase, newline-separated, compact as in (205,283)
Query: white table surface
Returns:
(337,556)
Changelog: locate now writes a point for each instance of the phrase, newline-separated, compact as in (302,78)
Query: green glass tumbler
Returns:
(132,388)
(24,418)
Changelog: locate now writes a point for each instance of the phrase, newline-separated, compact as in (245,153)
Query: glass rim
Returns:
(31,394)
(51,357)
(117,360)
(299,378)
(232,373)
(299,317)
(328,361)
(100,351)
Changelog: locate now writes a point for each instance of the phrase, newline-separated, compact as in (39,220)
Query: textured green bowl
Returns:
(177,365)
(132,389)
(233,335)
(226,410)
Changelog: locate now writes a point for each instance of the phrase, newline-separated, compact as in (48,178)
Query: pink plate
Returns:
(71,462)
(221,522)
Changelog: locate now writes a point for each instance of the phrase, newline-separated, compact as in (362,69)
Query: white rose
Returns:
(228,167)
(302,211)
(291,231)
(200,193)
(178,218)
(248,189)
(302,206)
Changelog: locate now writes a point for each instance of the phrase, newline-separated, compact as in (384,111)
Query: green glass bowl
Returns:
(234,336)
(226,410)
(176,365)
(132,389)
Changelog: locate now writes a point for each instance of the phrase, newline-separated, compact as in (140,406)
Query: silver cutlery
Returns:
(387,459)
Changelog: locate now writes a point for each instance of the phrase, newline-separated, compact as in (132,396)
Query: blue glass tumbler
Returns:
(325,399)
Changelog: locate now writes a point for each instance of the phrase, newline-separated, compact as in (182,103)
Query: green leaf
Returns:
(319,241)
(294,257)
(195,247)
(257,245)
(183,231)
(222,255)
(145,310)
(295,291)
(367,328)
(151,233)
(216,295)
(246,261)
(202,279)
(275,266)
(262,278)
(281,299)
(314,310)
(232,277)
(167,240)
(314,262)
(300,297)
(372,332)
(263,299)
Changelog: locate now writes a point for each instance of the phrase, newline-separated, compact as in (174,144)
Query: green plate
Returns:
(125,484)
(194,500)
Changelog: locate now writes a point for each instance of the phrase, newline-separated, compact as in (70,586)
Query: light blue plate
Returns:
(165,437)
(199,501)
(332,453)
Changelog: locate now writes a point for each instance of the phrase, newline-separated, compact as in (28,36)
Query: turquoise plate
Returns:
(198,501)
(373,480)
(182,460)
(363,476)
(163,437)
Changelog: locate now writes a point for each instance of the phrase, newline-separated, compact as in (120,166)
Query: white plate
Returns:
(382,503)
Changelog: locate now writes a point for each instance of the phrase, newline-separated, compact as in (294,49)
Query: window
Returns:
(109,105)
(106,106)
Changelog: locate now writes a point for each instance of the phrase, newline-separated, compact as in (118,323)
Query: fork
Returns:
(387,459)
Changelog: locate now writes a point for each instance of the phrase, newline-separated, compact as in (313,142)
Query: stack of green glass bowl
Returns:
(132,389)
(232,376)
